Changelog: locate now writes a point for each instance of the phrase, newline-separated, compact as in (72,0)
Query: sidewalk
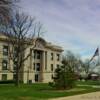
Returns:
(88,96)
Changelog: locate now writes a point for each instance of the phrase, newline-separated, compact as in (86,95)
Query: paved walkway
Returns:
(88,96)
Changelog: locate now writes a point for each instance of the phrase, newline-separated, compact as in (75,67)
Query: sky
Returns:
(72,24)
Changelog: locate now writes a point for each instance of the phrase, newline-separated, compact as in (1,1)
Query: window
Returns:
(51,56)
(58,66)
(51,67)
(15,51)
(4,65)
(14,76)
(38,55)
(34,66)
(36,77)
(5,50)
(52,76)
(4,77)
(15,65)
(38,67)
(34,54)
(58,57)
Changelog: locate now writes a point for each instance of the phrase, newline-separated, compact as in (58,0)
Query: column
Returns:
(29,66)
(43,65)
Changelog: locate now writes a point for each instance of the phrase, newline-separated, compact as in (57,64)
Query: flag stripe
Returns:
(95,54)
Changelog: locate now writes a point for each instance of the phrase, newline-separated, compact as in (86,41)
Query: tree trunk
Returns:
(17,81)
(17,78)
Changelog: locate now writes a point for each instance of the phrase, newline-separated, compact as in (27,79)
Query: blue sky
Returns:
(72,24)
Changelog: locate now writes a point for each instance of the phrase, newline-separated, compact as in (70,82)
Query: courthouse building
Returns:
(39,67)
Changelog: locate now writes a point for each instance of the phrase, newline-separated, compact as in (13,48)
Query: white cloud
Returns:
(74,24)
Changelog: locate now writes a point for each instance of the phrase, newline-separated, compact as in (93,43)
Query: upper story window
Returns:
(33,66)
(38,55)
(58,65)
(15,65)
(34,52)
(51,56)
(5,50)
(37,67)
(15,51)
(4,65)
(58,57)
(51,67)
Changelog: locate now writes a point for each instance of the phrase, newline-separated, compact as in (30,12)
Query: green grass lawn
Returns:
(90,82)
(40,91)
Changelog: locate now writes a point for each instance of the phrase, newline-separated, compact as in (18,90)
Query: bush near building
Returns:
(65,75)
(63,79)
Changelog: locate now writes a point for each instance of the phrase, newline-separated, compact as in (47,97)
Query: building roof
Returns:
(40,40)
(49,44)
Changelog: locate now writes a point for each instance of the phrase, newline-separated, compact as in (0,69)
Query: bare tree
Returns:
(20,35)
(72,61)
(86,68)
(65,75)
(6,8)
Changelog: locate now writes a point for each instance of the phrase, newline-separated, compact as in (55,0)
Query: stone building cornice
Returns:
(39,41)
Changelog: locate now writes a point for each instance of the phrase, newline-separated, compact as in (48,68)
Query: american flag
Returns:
(95,54)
